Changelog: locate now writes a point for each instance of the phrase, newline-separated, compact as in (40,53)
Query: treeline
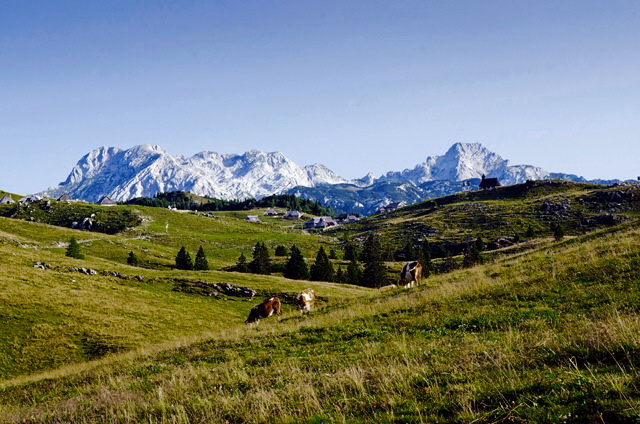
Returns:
(182,200)
(366,266)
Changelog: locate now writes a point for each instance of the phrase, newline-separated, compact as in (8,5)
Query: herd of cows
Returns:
(410,275)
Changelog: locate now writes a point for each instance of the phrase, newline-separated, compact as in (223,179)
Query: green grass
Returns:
(50,318)
(543,332)
(502,212)
(156,245)
(550,335)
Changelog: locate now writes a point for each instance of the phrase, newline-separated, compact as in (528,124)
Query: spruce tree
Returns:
(375,274)
(322,269)
(410,252)
(516,238)
(201,263)
(480,245)
(242,265)
(472,256)
(281,251)
(183,259)
(424,257)
(443,252)
(448,263)
(558,232)
(354,273)
(73,250)
(350,252)
(467,260)
(333,254)
(261,264)
(339,275)
(132,259)
(296,268)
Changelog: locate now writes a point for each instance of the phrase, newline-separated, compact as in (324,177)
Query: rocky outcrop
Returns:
(204,288)
(87,271)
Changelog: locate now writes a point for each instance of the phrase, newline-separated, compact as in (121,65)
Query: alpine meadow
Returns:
(541,329)
(299,212)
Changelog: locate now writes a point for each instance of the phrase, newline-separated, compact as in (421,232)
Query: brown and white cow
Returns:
(411,274)
(305,300)
(264,310)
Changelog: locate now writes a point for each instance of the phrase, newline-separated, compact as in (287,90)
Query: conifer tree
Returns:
(448,263)
(350,252)
(480,244)
(242,265)
(410,252)
(374,268)
(322,269)
(333,254)
(296,268)
(472,256)
(201,263)
(73,250)
(354,273)
(132,259)
(424,257)
(281,251)
(261,264)
(516,238)
(183,259)
(339,275)
(443,252)
(558,232)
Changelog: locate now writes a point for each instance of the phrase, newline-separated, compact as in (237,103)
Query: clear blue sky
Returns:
(355,85)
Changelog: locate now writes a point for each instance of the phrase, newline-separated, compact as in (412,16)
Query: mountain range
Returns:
(145,170)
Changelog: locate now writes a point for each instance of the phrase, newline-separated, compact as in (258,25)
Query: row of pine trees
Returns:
(183,260)
(366,267)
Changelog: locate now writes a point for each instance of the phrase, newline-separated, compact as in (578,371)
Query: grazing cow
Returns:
(411,274)
(305,300)
(264,310)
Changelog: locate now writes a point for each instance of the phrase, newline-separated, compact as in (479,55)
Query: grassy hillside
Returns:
(223,235)
(503,212)
(58,316)
(550,335)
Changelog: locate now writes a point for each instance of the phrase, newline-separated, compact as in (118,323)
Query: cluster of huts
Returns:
(318,223)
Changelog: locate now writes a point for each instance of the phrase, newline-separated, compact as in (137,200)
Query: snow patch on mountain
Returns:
(464,161)
(145,170)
